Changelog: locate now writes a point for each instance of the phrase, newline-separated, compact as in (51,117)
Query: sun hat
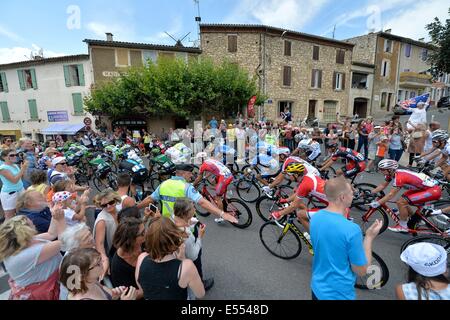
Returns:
(57,160)
(427,259)
(61,196)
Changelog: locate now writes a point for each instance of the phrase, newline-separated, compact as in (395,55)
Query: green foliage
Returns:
(440,36)
(173,87)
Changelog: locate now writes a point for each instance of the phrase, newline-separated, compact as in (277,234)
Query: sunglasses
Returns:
(8,140)
(98,264)
(12,155)
(111,203)
(63,163)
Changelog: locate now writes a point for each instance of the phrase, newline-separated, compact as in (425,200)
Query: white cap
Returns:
(57,160)
(427,259)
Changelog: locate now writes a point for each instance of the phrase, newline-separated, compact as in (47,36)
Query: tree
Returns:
(174,87)
(440,36)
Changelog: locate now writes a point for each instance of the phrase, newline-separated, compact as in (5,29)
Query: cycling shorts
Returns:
(352,169)
(415,197)
(222,185)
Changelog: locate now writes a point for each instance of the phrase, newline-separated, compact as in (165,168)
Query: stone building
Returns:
(112,58)
(307,74)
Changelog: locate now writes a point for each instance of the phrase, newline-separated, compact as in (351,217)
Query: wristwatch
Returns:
(222,214)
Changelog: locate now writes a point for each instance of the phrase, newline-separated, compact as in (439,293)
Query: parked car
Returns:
(399,110)
(443,102)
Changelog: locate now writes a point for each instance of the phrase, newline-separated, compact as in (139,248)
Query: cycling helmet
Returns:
(295,167)
(439,135)
(304,144)
(388,164)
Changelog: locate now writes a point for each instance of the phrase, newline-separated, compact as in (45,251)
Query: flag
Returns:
(251,107)
(412,103)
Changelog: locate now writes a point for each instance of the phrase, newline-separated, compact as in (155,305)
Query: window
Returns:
(400,95)
(339,81)
(385,68)
(287,48)
(285,105)
(77,104)
(387,45)
(122,58)
(389,101)
(287,75)
(232,43)
(74,75)
(316,79)
(424,54)
(408,50)
(5,111)
(150,56)
(359,81)
(316,53)
(340,56)
(27,79)
(412,94)
(32,106)
(3,82)
(383,99)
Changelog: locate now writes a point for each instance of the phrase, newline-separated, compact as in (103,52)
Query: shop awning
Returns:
(66,129)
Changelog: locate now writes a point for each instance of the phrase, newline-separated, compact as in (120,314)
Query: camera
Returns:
(20,157)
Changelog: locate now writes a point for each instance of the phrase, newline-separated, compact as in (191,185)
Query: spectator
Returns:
(433,126)
(374,138)
(396,122)
(131,212)
(147,141)
(12,182)
(418,116)
(26,147)
(8,143)
(417,141)
(427,273)
(128,240)
(331,136)
(31,260)
(213,123)
(124,184)
(388,125)
(240,136)
(105,226)
(45,161)
(382,147)
(363,139)
(59,171)
(339,249)
(184,211)
(32,204)
(369,125)
(65,199)
(39,182)
(89,263)
(396,144)
(162,272)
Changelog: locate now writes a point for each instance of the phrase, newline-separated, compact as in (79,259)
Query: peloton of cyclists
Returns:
(355,161)
(442,145)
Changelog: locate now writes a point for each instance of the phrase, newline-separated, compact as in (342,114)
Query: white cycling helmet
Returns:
(388,164)
(439,135)
(304,144)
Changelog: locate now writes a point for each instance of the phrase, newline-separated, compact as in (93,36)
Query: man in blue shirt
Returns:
(340,253)
(213,123)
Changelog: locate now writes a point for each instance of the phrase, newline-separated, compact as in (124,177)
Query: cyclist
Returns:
(223,178)
(135,167)
(421,189)
(309,169)
(310,186)
(310,148)
(440,142)
(268,167)
(355,161)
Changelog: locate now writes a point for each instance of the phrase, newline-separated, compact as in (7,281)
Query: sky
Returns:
(58,27)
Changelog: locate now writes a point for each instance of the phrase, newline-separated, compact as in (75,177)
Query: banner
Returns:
(251,107)
(412,103)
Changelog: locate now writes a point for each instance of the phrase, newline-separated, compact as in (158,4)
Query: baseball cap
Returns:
(61,196)
(184,167)
(427,259)
(57,160)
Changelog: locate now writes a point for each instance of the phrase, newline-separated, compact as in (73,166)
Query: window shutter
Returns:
(315,53)
(33,109)
(5,111)
(81,74)
(287,76)
(334,80)
(21,80)
(343,80)
(77,103)
(320,79)
(313,78)
(4,81)
(67,76)
(33,78)
(287,48)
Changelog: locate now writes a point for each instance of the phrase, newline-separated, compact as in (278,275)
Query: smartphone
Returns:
(152,207)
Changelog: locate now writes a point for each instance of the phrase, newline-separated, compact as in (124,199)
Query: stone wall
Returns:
(364,49)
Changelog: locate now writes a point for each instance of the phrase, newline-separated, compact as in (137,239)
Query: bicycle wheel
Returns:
(377,275)
(248,191)
(265,206)
(367,220)
(99,184)
(444,242)
(282,243)
(112,181)
(361,188)
(241,212)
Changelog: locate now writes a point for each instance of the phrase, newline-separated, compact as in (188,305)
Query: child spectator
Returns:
(38,180)
(71,216)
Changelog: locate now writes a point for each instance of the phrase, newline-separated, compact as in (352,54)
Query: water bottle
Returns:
(395,211)
(139,195)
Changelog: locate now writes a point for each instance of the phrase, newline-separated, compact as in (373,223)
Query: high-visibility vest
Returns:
(169,191)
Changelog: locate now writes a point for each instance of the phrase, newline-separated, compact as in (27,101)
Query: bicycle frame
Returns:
(291,225)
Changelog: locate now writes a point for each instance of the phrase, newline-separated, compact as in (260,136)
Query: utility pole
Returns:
(198,19)
(334,30)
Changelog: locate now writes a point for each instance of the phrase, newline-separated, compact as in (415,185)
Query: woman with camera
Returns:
(11,176)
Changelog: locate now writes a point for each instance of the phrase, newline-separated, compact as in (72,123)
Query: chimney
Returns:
(388,31)
(109,37)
